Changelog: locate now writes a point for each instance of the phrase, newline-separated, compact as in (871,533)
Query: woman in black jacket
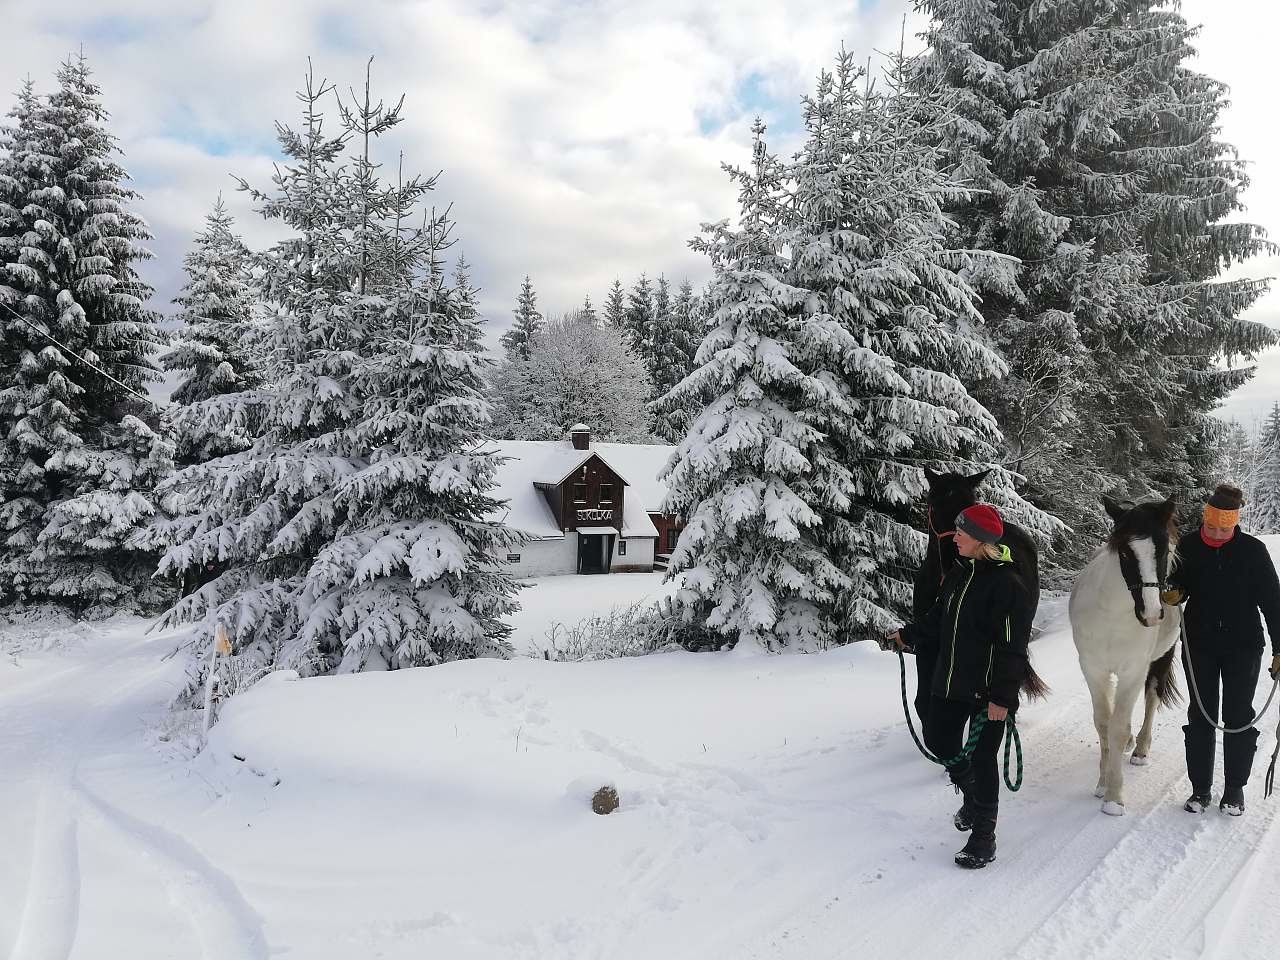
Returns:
(978,630)
(1226,577)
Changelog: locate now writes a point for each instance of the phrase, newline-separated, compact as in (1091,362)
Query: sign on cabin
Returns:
(590,513)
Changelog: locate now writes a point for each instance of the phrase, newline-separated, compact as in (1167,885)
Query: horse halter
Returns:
(1135,584)
(938,537)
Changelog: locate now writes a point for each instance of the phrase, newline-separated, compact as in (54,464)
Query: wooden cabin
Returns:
(586,508)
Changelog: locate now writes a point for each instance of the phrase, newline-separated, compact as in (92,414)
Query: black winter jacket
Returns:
(1225,588)
(978,628)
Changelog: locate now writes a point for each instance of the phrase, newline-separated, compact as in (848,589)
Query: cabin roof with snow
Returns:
(535,464)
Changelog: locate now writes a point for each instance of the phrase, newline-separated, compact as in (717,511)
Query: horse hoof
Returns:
(1100,791)
(1113,809)
(1138,760)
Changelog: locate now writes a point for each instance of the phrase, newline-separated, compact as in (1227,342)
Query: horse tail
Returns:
(1162,680)
(1033,684)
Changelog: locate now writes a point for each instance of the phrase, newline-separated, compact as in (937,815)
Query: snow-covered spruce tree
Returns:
(615,306)
(865,233)
(1263,495)
(468,307)
(576,371)
(527,323)
(587,313)
(215,352)
(638,320)
(752,474)
(411,578)
(1094,152)
(72,523)
(373,341)
(675,349)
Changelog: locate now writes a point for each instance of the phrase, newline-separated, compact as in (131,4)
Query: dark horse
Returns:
(949,493)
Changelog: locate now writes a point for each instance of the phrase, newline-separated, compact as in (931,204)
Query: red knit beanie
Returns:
(982,522)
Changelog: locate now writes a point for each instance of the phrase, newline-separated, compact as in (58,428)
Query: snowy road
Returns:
(771,808)
(82,878)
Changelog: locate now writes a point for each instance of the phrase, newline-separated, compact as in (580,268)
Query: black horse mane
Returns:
(1154,519)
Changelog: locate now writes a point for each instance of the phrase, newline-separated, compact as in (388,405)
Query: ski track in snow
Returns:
(47,929)
(224,924)
(97,714)
(836,847)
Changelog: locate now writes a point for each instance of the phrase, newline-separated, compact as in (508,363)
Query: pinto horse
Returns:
(949,493)
(1123,630)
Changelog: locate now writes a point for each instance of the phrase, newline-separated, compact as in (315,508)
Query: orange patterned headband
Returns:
(1216,517)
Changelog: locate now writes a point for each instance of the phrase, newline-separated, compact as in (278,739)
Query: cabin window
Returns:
(579,493)
(622,548)
(672,536)
(606,493)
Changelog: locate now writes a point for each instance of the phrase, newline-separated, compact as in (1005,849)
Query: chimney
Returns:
(580,434)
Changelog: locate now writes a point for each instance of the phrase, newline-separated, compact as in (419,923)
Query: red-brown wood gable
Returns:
(593,473)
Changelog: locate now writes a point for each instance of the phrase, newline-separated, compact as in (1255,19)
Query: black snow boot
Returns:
(1232,803)
(981,848)
(1238,750)
(1198,802)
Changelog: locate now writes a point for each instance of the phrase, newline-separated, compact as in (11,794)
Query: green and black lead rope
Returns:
(1012,742)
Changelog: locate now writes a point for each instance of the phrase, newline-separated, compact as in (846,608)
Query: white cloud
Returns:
(580,139)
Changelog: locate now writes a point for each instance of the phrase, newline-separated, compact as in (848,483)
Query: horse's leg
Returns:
(1100,692)
(1128,688)
(1143,748)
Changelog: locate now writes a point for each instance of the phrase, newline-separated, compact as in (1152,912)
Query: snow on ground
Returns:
(567,600)
(772,807)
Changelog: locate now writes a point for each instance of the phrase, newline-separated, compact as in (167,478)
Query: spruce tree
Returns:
(587,313)
(1263,495)
(468,306)
(527,322)
(1094,152)
(638,320)
(864,230)
(81,342)
(615,306)
(751,474)
(675,350)
(353,534)
(410,577)
(215,350)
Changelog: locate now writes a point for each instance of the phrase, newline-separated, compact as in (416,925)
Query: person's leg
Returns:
(1240,670)
(925,663)
(1199,733)
(985,802)
(944,730)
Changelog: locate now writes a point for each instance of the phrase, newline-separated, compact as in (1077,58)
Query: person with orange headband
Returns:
(1226,577)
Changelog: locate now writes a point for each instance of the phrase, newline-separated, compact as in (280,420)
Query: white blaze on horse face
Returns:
(1145,550)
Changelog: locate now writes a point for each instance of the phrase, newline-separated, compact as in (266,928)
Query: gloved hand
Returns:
(894,642)
(1172,596)
(1275,668)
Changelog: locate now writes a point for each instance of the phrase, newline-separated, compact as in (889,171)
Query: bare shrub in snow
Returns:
(632,631)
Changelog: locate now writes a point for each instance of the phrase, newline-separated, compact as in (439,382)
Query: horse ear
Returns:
(977,478)
(1114,510)
(1168,508)
(932,475)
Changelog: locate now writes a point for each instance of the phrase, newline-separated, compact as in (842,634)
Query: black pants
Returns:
(1237,670)
(925,662)
(945,733)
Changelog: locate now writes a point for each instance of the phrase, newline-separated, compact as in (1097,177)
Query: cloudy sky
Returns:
(579,139)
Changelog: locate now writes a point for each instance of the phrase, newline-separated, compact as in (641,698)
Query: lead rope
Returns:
(1012,742)
(1270,782)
